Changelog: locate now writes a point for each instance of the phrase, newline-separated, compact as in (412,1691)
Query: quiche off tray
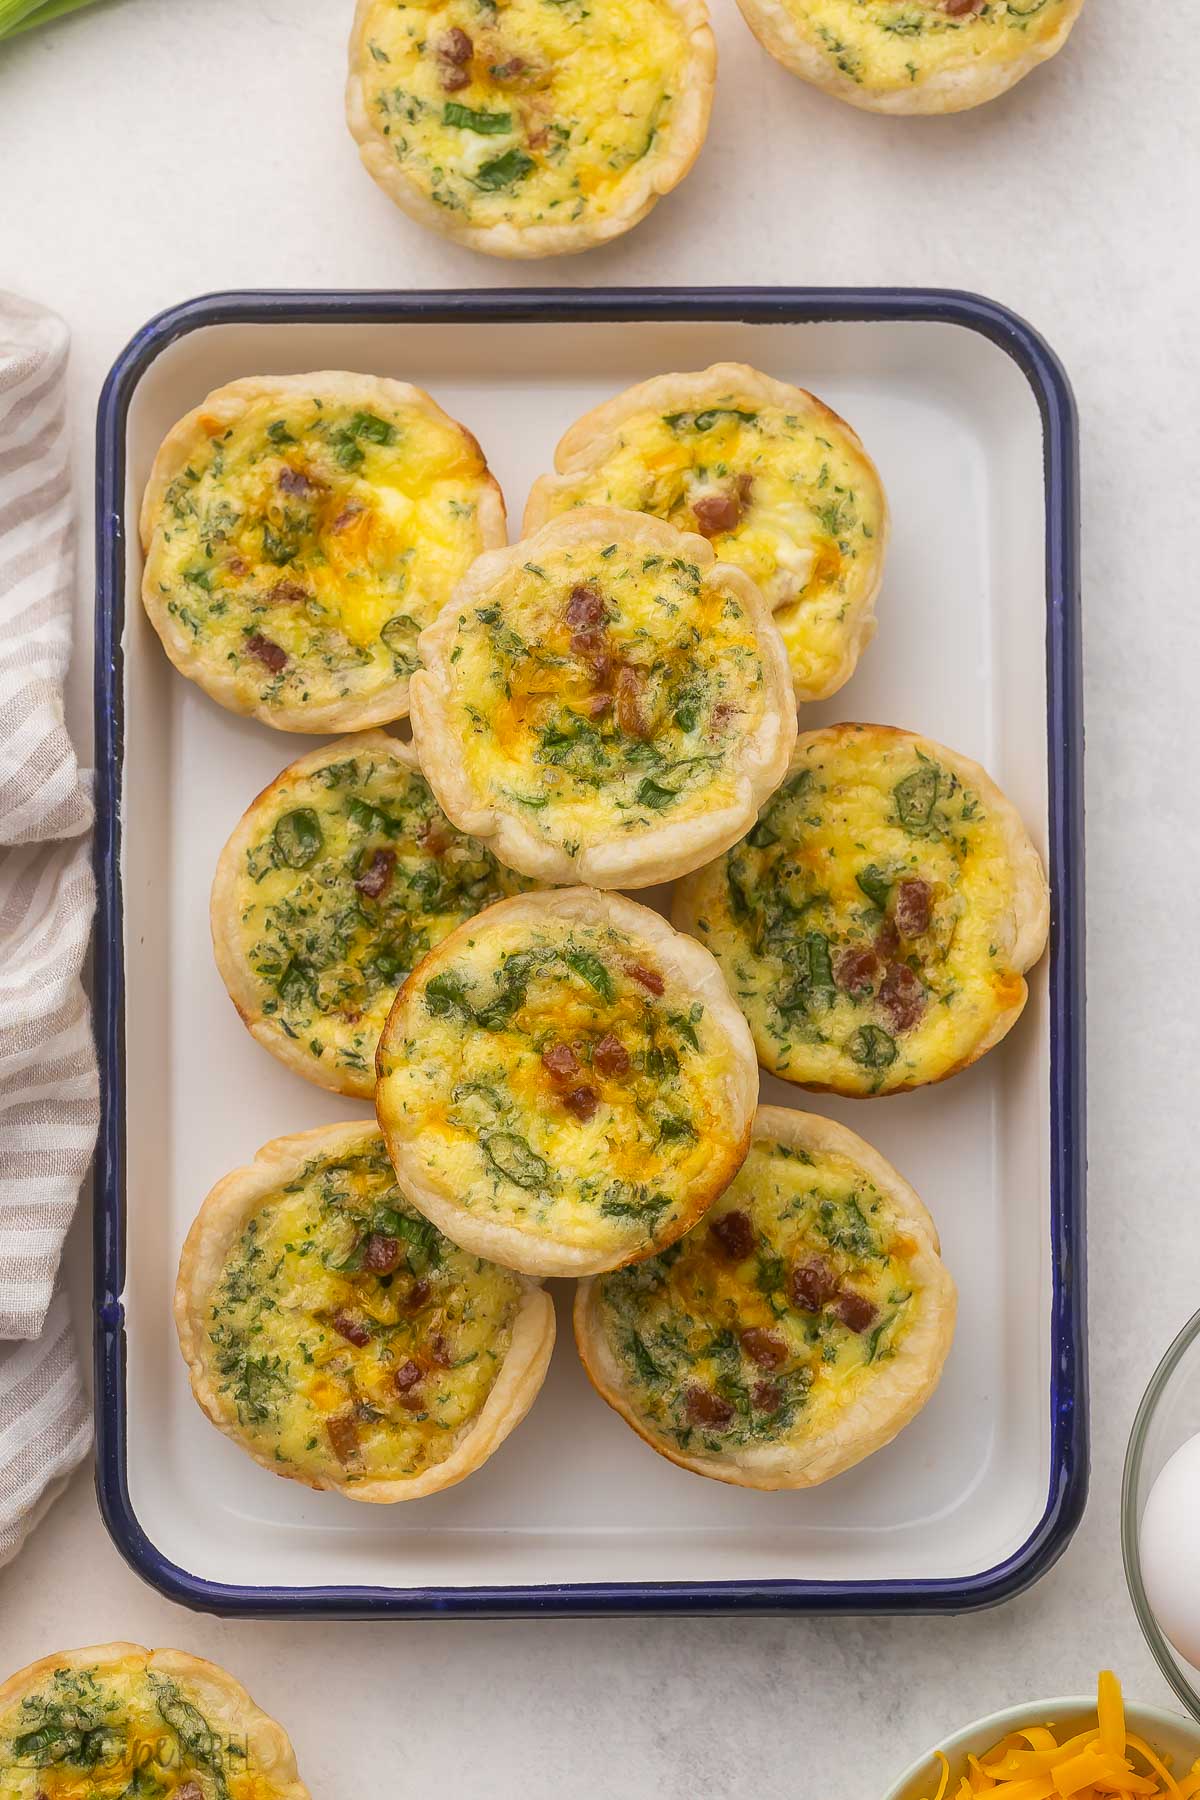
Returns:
(983,1485)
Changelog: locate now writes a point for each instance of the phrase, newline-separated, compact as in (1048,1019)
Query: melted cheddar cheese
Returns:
(554,1077)
(604,691)
(789,497)
(772,1315)
(298,551)
(864,925)
(891,45)
(351,874)
(122,1731)
(346,1336)
(529,113)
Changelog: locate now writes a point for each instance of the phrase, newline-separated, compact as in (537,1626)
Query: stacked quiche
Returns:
(432,911)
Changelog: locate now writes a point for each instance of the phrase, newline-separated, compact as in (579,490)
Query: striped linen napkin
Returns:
(48,1083)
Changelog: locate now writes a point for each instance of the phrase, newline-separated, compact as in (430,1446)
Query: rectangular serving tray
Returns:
(971,420)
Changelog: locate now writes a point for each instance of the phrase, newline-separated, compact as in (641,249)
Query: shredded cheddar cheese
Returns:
(1105,1762)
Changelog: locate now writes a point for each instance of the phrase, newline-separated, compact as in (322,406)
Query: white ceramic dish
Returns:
(982,1491)
(1167,1733)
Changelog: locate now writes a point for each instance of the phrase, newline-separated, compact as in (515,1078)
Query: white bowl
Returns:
(1167,1733)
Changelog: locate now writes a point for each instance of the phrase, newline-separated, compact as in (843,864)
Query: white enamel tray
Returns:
(970,421)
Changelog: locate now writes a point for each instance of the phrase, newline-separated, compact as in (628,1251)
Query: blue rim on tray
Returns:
(1067,1495)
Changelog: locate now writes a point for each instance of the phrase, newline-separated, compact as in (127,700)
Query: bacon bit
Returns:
(716,513)
(377,876)
(854,1310)
(295,481)
(343,1435)
(382,1254)
(452,80)
(510,70)
(914,903)
(440,1353)
(267,652)
(722,712)
(703,1407)
(650,979)
(957,8)
(765,1348)
(745,487)
(407,1376)
(735,1234)
(418,1296)
(610,1057)
(887,939)
(560,1061)
(812,1284)
(238,566)
(631,717)
(347,516)
(901,997)
(189,1791)
(352,1329)
(585,608)
(581,1103)
(596,705)
(855,967)
(287,593)
(456,47)
(768,1396)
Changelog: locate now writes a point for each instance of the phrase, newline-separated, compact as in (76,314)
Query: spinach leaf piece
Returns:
(487,124)
(504,170)
(916,797)
(298,838)
(589,968)
(875,885)
(511,1157)
(871,1046)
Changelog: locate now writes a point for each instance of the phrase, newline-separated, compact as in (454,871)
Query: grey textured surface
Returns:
(154,150)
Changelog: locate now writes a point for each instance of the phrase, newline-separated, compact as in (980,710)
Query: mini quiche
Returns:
(776,481)
(795,1330)
(116,1720)
(532,127)
(604,702)
(339,878)
(565,1084)
(333,1333)
(877,923)
(299,532)
(912,56)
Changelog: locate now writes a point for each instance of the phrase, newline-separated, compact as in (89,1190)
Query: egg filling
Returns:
(605,691)
(353,874)
(864,925)
(111,1733)
(769,1317)
(893,44)
(554,1077)
(790,498)
(301,549)
(347,1337)
(531,112)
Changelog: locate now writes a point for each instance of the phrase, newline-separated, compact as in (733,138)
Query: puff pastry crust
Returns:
(300,531)
(534,131)
(877,923)
(336,1336)
(603,702)
(565,1084)
(912,56)
(337,880)
(187,1725)
(794,1331)
(775,480)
